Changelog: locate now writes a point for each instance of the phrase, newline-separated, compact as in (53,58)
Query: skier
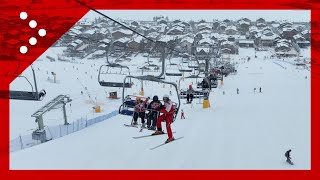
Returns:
(170,93)
(154,108)
(139,111)
(168,110)
(223,93)
(182,114)
(190,94)
(260,90)
(237,91)
(287,155)
(254,89)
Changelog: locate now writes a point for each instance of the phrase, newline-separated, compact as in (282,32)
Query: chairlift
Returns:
(193,64)
(112,72)
(171,71)
(33,95)
(184,68)
(127,106)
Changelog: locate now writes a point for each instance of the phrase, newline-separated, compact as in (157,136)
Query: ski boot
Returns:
(148,127)
(134,123)
(158,133)
(169,140)
(143,125)
(153,128)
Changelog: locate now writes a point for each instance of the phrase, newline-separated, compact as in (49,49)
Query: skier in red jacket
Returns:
(167,111)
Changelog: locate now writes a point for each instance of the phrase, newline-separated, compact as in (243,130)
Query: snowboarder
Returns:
(190,94)
(154,108)
(139,111)
(287,155)
(260,89)
(237,91)
(167,111)
(182,114)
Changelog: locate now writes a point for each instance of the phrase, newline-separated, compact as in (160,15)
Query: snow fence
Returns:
(57,131)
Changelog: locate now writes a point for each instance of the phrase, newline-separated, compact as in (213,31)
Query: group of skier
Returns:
(157,113)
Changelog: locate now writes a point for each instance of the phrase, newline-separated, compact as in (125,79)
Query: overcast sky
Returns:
(208,15)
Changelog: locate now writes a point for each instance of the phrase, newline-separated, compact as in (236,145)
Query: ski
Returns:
(165,143)
(130,125)
(138,137)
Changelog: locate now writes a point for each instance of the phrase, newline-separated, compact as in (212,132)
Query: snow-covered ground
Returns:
(249,130)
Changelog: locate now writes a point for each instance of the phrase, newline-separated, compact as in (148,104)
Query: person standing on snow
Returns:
(260,89)
(182,114)
(190,94)
(237,91)
(154,108)
(139,111)
(167,111)
(287,155)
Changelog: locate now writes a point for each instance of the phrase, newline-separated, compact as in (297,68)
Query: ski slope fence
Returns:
(57,131)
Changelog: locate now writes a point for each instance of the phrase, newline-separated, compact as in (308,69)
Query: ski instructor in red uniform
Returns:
(167,111)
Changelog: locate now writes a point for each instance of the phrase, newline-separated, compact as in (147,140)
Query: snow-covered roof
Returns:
(226,43)
(246,41)
(78,41)
(153,35)
(103,45)
(166,38)
(91,32)
(204,32)
(137,38)
(75,31)
(104,31)
(188,39)
(123,40)
(304,32)
(205,49)
(106,40)
(231,28)
(206,41)
(298,36)
(124,31)
(264,37)
(244,22)
(77,27)
(282,44)
(214,35)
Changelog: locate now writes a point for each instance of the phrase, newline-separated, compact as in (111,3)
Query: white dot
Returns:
(23,49)
(42,32)
(33,24)
(23,15)
(33,41)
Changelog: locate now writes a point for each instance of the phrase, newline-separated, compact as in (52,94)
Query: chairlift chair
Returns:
(105,70)
(173,72)
(33,95)
(127,106)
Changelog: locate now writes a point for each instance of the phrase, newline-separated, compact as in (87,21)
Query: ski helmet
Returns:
(155,98)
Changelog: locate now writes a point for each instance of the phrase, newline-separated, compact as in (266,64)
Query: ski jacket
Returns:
(168,109)
(154,105)
(140,106)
